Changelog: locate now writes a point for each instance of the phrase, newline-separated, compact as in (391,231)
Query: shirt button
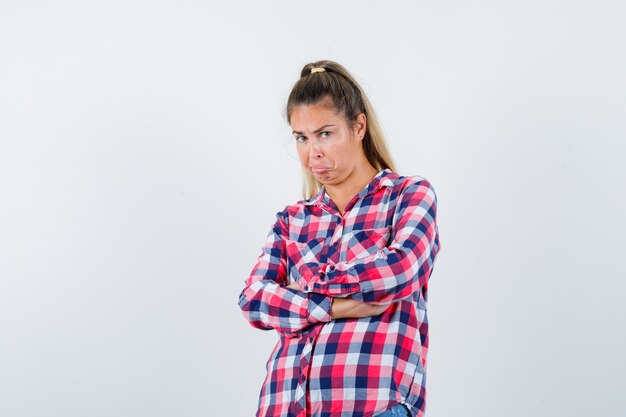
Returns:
(306,288)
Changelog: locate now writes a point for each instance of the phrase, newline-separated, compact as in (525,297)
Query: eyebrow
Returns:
(315,131)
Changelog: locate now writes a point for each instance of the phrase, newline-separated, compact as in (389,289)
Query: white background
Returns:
(142,161)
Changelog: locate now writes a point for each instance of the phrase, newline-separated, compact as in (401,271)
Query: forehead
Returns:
(312,116)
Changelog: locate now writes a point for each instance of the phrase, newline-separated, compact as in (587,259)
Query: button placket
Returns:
(335,241)
(338,233)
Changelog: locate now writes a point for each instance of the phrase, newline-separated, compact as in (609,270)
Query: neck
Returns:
(356,181)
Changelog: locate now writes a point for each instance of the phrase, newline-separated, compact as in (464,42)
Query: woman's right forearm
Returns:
(347,308)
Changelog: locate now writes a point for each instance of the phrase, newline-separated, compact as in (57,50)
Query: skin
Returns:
(332,151)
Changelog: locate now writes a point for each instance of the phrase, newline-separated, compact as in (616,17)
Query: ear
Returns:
(360,125)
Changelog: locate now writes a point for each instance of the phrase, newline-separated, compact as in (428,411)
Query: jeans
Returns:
(395,411)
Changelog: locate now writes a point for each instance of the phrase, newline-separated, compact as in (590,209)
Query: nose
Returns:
(315,150)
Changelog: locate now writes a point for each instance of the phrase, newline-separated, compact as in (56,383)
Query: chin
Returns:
(324,179)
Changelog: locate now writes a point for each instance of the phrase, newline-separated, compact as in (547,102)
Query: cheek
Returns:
(341,151)
(302,154)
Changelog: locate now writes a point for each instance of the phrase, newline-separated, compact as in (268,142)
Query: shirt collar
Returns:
(382,179)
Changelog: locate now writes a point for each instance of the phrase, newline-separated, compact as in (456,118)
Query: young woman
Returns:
(343,275)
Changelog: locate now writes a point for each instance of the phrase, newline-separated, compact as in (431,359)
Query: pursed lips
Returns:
(319,169)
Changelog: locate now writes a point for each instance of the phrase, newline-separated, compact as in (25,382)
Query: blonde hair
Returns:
(349,100)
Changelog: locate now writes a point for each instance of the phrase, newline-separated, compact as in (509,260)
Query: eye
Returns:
(329,133)
(300,139)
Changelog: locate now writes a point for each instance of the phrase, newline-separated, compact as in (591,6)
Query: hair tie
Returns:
(317,69)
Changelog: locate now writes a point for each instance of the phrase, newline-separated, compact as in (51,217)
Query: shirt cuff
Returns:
(319,307)
(309,273)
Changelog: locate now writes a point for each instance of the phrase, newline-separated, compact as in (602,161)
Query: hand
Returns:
(349,308)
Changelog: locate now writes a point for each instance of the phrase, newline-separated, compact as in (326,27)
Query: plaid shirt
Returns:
(381,251)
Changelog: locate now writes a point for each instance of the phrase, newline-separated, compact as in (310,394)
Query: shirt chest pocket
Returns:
(360,244)
(298,253)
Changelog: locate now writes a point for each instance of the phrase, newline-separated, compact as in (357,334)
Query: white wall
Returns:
(142,161)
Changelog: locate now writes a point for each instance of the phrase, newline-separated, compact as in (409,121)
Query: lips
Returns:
(319,170)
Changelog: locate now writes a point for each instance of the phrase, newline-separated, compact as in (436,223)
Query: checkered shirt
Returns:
(381,251)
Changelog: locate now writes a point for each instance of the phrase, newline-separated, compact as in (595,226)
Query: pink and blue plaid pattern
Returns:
(382,251)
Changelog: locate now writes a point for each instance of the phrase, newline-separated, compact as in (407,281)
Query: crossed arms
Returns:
(360,288)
